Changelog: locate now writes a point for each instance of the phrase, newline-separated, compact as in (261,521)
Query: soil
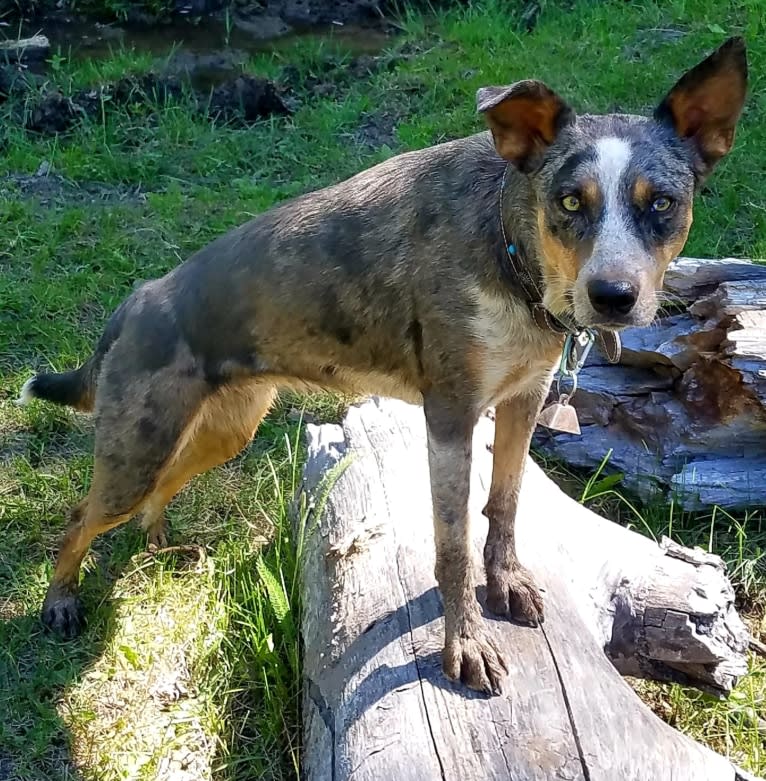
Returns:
(214,81)
(377,129)
(47,111)
(274,16)
(50,189)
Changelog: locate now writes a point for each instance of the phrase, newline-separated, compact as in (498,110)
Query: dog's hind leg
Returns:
(511,589)
(142,422)
(224,425)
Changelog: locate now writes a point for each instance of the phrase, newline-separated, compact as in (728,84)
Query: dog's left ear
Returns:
(525,119)
(706,103)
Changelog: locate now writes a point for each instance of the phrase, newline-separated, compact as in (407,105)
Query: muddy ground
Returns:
(215,84)
(208,68)
(265,18)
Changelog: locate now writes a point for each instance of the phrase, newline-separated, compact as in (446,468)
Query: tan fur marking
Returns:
(223,425)
(642,191)
(667,252)
(560,268)
(591,193)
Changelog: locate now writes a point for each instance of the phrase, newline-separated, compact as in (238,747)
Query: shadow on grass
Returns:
(255,677)
(36,668)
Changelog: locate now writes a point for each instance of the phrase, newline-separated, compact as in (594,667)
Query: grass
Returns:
(190,661)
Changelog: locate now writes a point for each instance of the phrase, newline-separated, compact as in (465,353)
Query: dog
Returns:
(447,277)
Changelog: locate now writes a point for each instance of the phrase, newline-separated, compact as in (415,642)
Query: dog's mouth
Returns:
(593,320)
(612,325)
(635,314)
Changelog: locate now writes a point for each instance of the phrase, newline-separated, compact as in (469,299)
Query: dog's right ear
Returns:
(706,103)
(525,119)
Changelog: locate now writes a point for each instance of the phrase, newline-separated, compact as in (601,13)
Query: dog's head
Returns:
(614,193)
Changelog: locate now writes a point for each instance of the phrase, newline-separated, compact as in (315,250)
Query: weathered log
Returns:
(376,704)
(25,50)
(685,411)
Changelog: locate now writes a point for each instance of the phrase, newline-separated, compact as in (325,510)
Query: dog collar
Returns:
(608,341)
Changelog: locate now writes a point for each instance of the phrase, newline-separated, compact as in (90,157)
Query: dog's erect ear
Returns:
(524,118)
(705,104)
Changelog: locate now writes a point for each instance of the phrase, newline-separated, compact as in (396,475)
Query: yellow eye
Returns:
(661,204)
(571,203)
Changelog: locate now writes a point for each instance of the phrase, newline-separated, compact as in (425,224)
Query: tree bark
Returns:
(376,704)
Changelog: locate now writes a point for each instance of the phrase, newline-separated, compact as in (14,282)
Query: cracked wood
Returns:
(376,705)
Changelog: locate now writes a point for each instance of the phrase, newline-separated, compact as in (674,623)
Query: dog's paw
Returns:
(157,537)
(476,661)
(513,593)
(64,615)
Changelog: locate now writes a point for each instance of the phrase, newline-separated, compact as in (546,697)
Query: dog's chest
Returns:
(513,356)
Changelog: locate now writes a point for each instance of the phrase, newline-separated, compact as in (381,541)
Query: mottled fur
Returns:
(397,282)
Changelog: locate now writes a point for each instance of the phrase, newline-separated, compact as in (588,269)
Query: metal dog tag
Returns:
(560,416)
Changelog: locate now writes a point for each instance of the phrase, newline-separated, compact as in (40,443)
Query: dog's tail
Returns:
(73,388)
(76,388)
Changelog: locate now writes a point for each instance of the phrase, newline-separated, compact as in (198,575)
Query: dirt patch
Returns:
(50,189)
(49,111)
(6,767)
(377,130)
(16,82)
(647,41)
(303,13)
(333,76)
(213,82)
(247,98)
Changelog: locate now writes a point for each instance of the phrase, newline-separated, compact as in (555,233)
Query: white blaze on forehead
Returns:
(612,159)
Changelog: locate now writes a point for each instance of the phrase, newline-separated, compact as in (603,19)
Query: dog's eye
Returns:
(661,204)
(571,203)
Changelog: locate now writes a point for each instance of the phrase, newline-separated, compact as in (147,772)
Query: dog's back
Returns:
(335,288)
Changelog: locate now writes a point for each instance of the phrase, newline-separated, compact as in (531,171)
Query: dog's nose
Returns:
(612,298)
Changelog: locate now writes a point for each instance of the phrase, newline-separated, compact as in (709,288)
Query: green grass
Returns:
(191,658)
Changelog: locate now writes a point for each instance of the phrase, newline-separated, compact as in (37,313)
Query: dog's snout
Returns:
(612,297)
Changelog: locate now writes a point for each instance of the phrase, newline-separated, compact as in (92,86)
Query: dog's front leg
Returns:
(511,589)
(469,652)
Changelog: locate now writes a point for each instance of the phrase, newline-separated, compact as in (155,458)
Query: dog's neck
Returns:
(520,257)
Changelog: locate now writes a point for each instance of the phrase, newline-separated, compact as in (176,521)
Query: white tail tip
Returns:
(27,393)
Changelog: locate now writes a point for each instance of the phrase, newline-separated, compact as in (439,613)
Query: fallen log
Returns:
(684,413)
(376,704)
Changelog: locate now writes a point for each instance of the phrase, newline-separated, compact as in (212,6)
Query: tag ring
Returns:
(561,382)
